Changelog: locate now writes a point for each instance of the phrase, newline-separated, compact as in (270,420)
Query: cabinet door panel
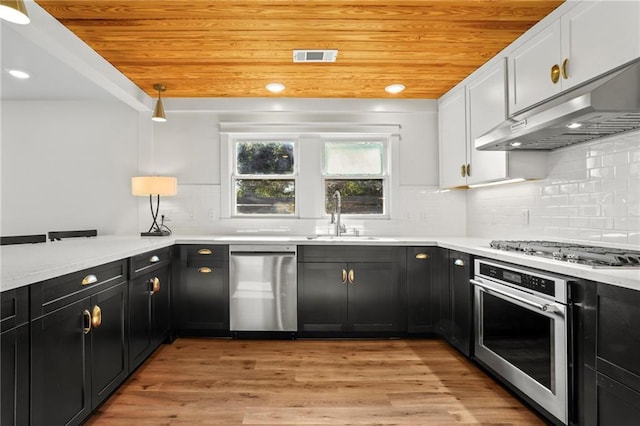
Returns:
(109,355)
(14,394)
(617,404)
(618,334)
(139,320)
(60,373)
(202,297)
(452,118)
(322,297)
(487,100)
(373,297)
(530,69)
(461,296)
(598,37)
(421,289)
(161,307)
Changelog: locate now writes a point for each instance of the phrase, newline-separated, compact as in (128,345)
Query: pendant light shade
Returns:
(158,112)
(14,11)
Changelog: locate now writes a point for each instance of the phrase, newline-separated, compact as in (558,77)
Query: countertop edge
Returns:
(100,250)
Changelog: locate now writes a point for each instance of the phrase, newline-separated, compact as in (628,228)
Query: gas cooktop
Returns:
(596,257)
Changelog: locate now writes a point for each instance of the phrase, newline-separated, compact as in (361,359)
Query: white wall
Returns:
(67,166)
(190,146)
(591,193)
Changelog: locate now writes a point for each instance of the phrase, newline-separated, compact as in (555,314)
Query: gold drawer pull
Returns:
(422,256)
(96,317)
(344,276)
(89,279)
(555,73)
(154,283)
(458,262)
(463,170)
(204,270)
(204,251)
(564,68)
(352,276)
(87,316)
(154,259)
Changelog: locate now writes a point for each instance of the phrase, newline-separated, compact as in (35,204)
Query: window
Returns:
(264,178)
(357,169)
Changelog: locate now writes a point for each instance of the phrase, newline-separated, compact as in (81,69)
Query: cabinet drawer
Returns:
(348,254)
(150,260)
(207,253)
(47,296)
(14,305)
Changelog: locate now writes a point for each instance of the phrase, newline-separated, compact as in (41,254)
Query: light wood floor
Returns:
(274,382)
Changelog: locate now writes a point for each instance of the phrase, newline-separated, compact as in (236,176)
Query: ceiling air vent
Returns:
(315,55)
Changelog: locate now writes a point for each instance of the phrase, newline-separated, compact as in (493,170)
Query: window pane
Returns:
(265,158)
(265,196)
(359,196)
(353,158)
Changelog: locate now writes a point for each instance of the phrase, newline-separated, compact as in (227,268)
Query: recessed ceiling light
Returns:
(394,88)
(574,125)
(275,87)
(19,74)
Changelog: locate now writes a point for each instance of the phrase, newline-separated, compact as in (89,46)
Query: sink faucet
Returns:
(335,216)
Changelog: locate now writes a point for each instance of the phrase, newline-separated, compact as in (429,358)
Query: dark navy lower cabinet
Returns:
(78,343)
(14,357)
(423,289)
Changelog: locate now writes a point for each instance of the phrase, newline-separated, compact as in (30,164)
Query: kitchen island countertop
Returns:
(27,264)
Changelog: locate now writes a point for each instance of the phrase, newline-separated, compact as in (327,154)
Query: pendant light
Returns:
(158,112)
(14,11)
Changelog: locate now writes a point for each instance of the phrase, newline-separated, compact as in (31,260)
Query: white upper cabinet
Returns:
(598,37)
(487,100)
(453,138)
(588,40)
(468,112)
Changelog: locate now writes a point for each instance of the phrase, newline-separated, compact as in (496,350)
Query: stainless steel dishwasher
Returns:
(263,292)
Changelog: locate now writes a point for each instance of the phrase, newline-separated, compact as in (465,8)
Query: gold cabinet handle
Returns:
(154,259)
(422,256)
(555,73)
(154,283)
(204,270)
(468,169)
(344,276)
(87,317)
(458,262)
(352,276)
(463,170)
(89,279)
(96,316)
(564,68)
(204,251)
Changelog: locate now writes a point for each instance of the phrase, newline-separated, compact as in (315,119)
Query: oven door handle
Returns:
(547,307)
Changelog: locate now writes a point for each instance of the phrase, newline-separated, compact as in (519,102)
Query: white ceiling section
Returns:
(62,67)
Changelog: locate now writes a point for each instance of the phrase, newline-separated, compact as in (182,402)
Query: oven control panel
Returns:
(520,279)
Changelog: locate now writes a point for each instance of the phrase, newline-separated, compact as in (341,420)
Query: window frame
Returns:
(235,176)
(385,175)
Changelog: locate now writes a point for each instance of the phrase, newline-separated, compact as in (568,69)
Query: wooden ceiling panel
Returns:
(227,48)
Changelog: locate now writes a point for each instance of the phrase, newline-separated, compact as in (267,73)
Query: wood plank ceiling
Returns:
(227,48)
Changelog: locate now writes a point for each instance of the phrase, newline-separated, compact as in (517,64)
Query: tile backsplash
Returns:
(591,193)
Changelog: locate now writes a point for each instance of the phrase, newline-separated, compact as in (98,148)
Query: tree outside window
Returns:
(265,178)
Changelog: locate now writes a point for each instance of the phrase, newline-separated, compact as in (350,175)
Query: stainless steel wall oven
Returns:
(522,326)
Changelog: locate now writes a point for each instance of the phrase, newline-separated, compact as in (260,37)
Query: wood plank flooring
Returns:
(303,382)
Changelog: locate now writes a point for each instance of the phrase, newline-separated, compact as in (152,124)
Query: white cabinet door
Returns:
(598,37)
(487,99)
(452,118)
(530,69)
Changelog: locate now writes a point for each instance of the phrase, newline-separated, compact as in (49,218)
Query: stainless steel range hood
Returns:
(606,106)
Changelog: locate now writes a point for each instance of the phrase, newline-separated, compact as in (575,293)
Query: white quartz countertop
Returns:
(26,264)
